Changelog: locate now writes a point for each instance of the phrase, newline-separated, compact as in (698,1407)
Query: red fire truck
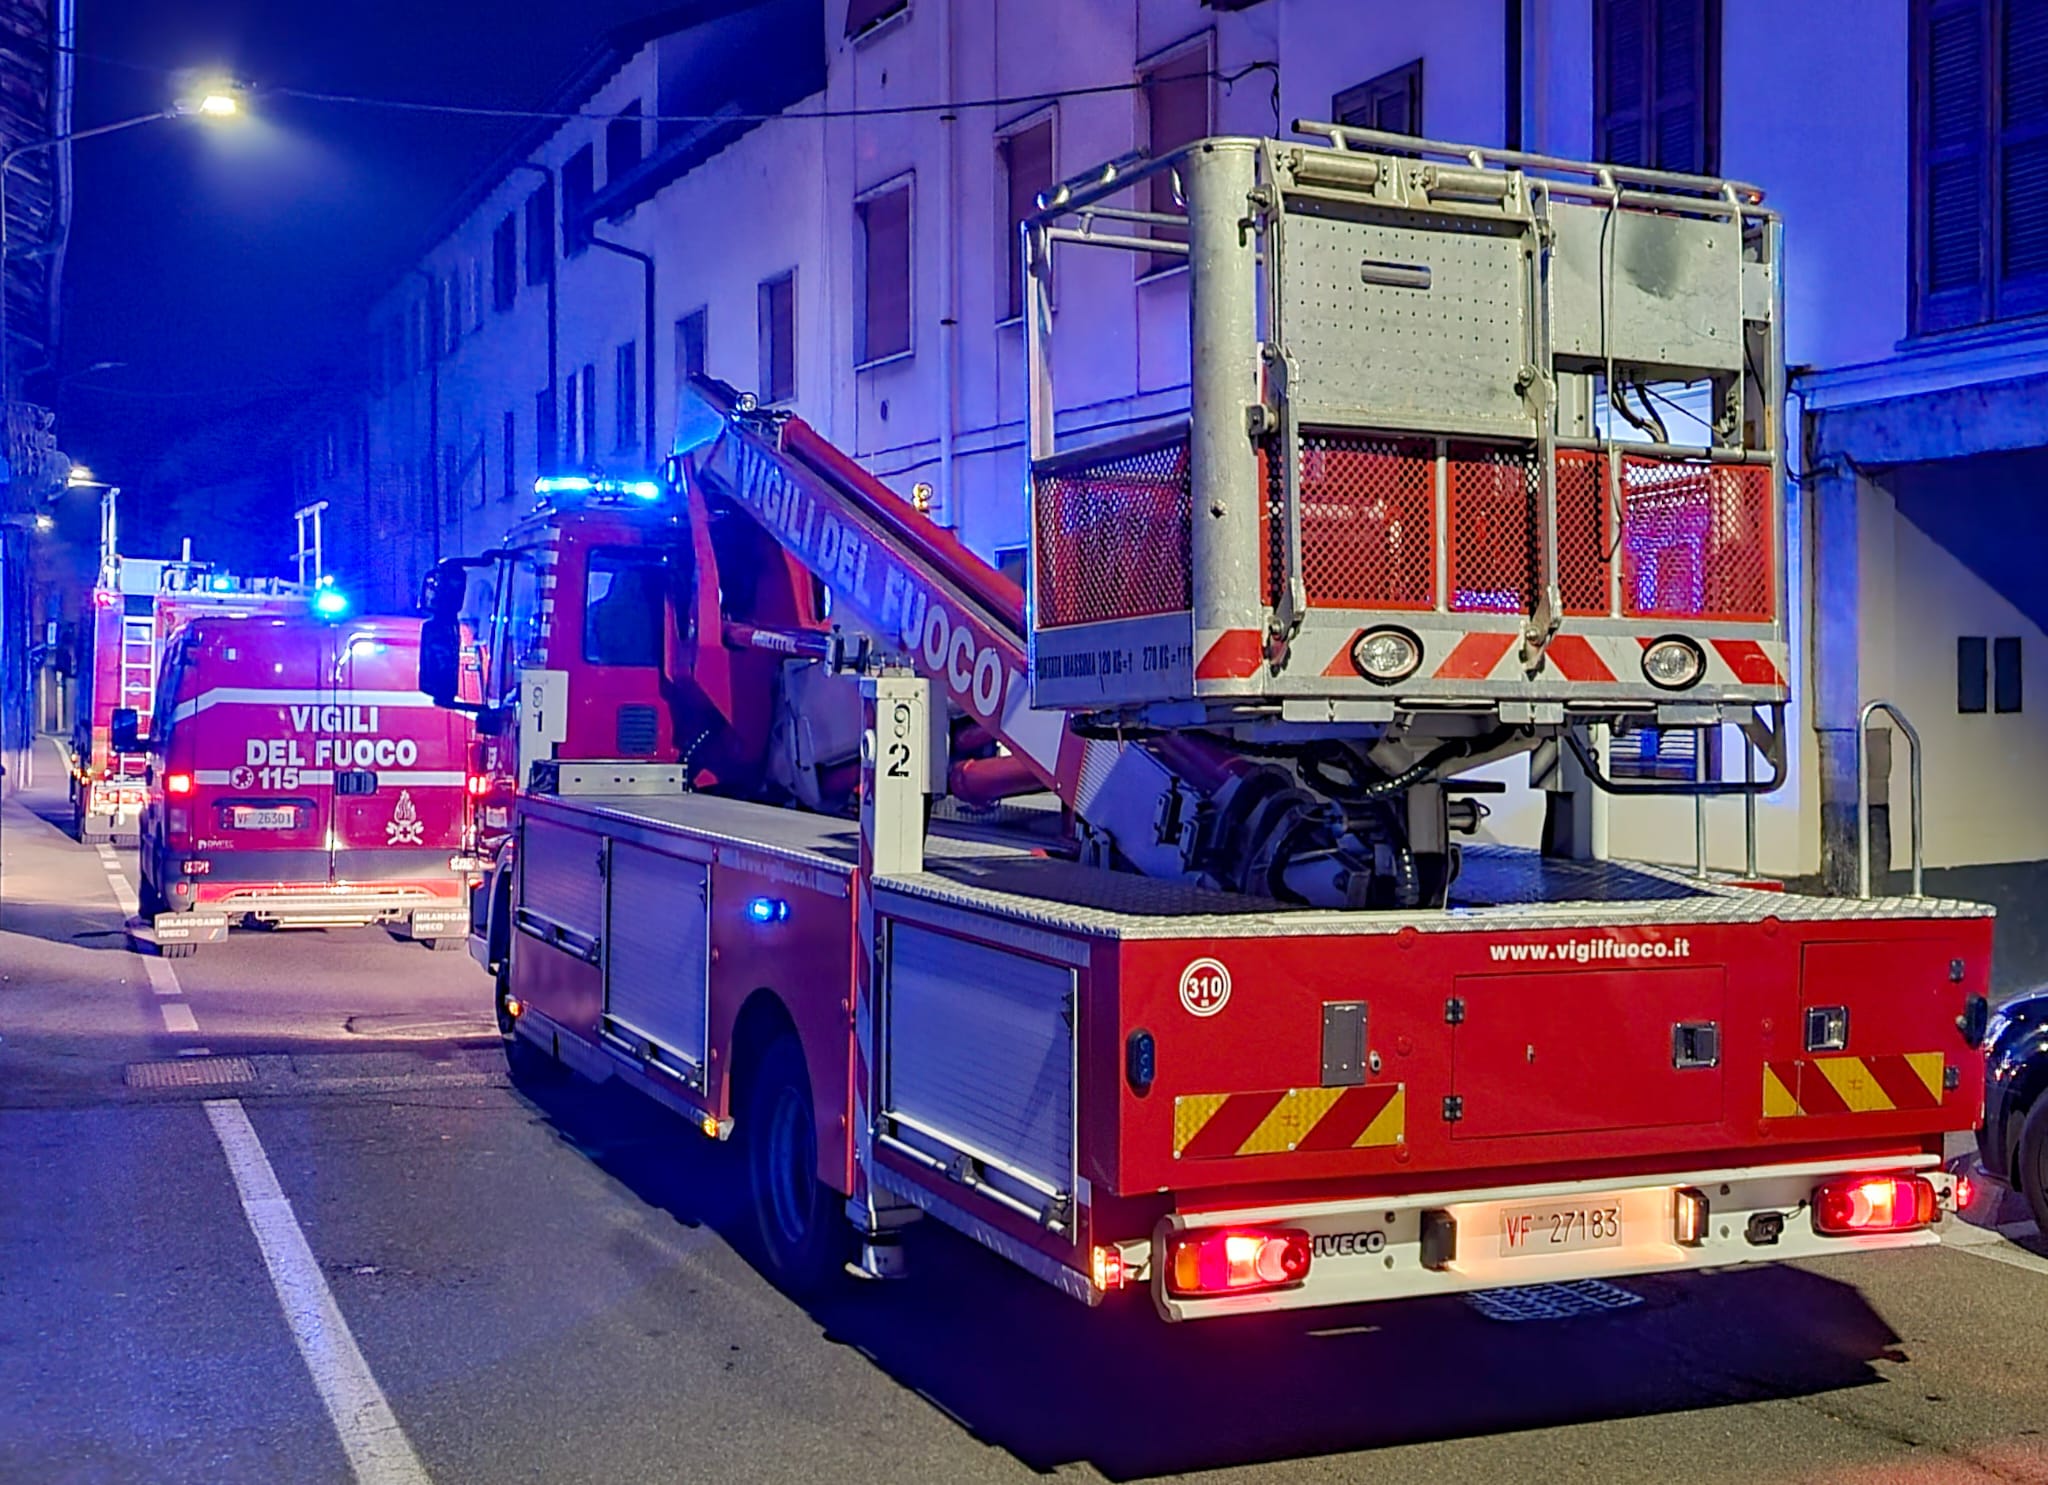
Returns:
(296,778)
(136,604)
(1135,931)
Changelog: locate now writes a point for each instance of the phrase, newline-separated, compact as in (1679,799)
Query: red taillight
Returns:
(1966,1193)
(478,785)
(1233,1260)
(1873,1204)
(177,783)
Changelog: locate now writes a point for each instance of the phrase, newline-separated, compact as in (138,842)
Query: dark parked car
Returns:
(2014,1140)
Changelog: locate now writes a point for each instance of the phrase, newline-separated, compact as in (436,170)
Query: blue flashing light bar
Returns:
(221,584)
(329,603)
(578,484)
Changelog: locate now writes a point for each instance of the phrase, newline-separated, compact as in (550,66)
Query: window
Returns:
(1391,102)
(1980,162)
(545,432)
(505,264)
(1025,157)
(863,16)
(776,306)
(884,244)
(1972,671)
(589,442)
(540,234)
(622,144)
(690,346)
(626,395)
(2005,674)
(1176,95)
(1657,83)
(622,608)
(511,459)
(579,183)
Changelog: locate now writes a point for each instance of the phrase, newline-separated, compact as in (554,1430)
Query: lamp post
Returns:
(219,104)
(81,479)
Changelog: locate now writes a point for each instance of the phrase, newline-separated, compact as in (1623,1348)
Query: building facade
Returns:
(844,244)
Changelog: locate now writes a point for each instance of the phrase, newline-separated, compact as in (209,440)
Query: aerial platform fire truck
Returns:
(1137,930)
(296,779)
(136,604)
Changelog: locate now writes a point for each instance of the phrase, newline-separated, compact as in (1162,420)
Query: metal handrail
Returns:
(1863,793)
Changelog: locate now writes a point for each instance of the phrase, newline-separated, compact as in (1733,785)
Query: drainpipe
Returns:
(949,322)
(646,262)
(551,463)
(434,333)
(1513,78)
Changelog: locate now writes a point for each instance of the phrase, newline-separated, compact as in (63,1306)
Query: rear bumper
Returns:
(1374,1250)
(424,912)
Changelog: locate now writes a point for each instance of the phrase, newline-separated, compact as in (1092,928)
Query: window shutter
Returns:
(1624,82)
(1954,158)
(1681,66)
(2023,160)
(865,15)
(885,227)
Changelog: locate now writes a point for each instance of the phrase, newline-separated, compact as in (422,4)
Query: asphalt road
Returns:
(338,1244)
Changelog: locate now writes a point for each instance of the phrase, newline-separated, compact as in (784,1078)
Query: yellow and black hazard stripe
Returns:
(1212,1126)
(1854,1085)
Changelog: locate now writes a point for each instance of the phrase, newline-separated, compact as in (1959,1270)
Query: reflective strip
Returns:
(295,696)
(1212,1126)
(1854,1085)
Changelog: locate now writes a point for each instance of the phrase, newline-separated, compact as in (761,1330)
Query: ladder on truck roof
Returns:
(918,590)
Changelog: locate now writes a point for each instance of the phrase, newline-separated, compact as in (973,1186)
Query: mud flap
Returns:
(439,922)
(187,928)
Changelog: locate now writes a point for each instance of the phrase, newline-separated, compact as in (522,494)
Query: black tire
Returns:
(2030,1169)
(803,1234)
(149,901)
(526,1062)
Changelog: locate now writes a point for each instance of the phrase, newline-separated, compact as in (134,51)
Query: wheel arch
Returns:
(764,1018)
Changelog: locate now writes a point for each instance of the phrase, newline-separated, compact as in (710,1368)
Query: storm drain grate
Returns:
(190,1072)
(1552,1301)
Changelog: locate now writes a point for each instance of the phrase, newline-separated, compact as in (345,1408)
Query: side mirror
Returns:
(441,633)
(127,731)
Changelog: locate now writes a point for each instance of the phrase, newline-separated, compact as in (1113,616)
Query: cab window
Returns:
(515,642)
(623,608)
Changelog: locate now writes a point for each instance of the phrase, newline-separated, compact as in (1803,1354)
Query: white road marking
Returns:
(178,1016)
(378,1451)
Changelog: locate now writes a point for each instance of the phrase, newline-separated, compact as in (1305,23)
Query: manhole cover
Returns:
(190,1072)
(1552,1301)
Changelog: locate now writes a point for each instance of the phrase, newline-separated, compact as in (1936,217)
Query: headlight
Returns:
(1385,656)
(1674,664)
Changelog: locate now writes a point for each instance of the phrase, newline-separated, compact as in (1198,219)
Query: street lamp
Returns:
(81,478)
(214,103)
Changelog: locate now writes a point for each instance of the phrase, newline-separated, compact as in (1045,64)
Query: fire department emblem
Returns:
(241,776)
(1204,987)
(405,827)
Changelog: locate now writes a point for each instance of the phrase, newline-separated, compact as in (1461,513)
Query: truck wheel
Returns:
(804,1238)
(149,902)
(2030,1171)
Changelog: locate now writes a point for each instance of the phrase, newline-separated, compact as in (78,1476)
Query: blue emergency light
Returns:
(330,604)
(577,484)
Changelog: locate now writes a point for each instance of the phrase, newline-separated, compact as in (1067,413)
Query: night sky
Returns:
(229,267)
